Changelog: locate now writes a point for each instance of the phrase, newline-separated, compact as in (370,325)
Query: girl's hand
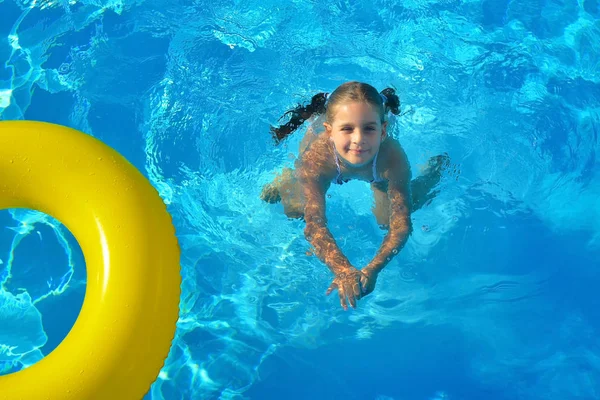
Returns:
(347,284)
(367,281)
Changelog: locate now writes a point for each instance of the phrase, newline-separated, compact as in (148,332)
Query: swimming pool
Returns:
(491,298)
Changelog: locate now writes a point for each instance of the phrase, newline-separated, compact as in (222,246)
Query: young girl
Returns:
(354,145)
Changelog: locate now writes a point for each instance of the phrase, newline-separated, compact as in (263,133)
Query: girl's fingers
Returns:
(356,289)
(331,288)
(343,299)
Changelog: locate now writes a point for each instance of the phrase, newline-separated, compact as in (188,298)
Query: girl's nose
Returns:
(358,136)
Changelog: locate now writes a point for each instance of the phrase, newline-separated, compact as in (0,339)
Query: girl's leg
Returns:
(421,186)
(285,188)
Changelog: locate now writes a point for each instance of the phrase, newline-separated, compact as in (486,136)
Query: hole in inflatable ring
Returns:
(42,286)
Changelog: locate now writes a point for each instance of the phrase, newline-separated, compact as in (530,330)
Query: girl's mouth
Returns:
(353,151)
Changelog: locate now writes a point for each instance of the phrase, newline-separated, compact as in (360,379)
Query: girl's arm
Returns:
(347,278)
(316,231)
(398,174)
(315,174)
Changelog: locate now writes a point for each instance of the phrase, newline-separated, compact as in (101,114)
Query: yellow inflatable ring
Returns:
(127,322)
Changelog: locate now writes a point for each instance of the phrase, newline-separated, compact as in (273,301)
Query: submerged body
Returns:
(354,145)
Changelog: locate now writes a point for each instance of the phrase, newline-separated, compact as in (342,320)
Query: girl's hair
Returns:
(322,103)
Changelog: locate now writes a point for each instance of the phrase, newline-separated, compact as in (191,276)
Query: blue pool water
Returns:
(493,297)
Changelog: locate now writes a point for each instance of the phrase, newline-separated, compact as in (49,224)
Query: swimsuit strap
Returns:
(376,178)
(338,178)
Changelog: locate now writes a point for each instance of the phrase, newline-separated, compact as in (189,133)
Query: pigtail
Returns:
(299,115)
(392,100)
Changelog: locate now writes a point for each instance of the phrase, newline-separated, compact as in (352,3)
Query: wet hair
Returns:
(324,103)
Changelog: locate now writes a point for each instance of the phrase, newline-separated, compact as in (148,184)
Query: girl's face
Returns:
(356,132)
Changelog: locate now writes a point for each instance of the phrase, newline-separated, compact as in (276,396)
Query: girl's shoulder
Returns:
(317,159)
(392,149)
(394,160)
